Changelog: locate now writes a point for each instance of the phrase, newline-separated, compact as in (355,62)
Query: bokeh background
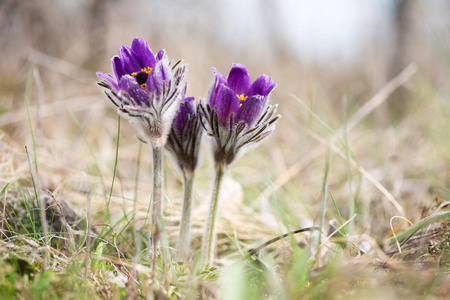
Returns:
(320,51)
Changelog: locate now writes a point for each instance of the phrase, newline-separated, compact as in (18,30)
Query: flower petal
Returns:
(227,103)
(112,83)
(251,110)
(130,61)
(160,55)
(188,103)
(187,110)
(263,85)
(129,85)
(118,67)
(143,51)
(159,76)
(163,70)
(238,79)
(218,81)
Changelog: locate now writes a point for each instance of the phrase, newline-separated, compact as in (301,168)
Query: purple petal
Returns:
(160,55)
(129,85)
(130,61)
(263,85)
(158,77)
(112,83)
(189,103)
(186,111)
(118,67)
(227,103)
(143,51)
(218,81)
(238,79)
(250,110)
(163,70)
(219,77)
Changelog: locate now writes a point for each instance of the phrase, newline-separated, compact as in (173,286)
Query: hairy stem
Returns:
(209,237)
(157,199)
(184,240)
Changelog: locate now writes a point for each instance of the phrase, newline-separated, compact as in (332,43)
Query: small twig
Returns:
(275,239)
(393,232)
(440,207)
(334,232)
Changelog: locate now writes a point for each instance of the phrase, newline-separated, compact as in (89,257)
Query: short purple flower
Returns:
(237,96)
(147,89)
(237,113)
(185,138)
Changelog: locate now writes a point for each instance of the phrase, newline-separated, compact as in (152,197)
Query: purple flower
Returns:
(184,140)
(183,121)
(236,96)
(147,89)
(237,113)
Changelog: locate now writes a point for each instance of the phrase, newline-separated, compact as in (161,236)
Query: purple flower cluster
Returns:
(149,90)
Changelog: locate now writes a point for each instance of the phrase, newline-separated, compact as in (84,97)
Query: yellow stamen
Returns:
(241,98)
(147,70)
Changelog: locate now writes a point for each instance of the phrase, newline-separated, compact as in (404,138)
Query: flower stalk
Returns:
(209,236)
(184,240)
(157,199)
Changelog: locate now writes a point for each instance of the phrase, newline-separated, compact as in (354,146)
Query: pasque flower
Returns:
(236,115)
(147,90)
(236,112)
(185,137)
(184,143)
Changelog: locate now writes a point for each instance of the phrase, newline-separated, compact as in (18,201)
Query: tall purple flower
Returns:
(184,143)
(237,113)
(236,116)
(147,89)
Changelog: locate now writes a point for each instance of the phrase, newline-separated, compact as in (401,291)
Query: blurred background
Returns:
(320,51)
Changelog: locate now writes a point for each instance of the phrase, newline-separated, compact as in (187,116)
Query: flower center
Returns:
(141,76)
(241,98)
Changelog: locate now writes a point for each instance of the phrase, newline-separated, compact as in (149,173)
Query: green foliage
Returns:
(21,280)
